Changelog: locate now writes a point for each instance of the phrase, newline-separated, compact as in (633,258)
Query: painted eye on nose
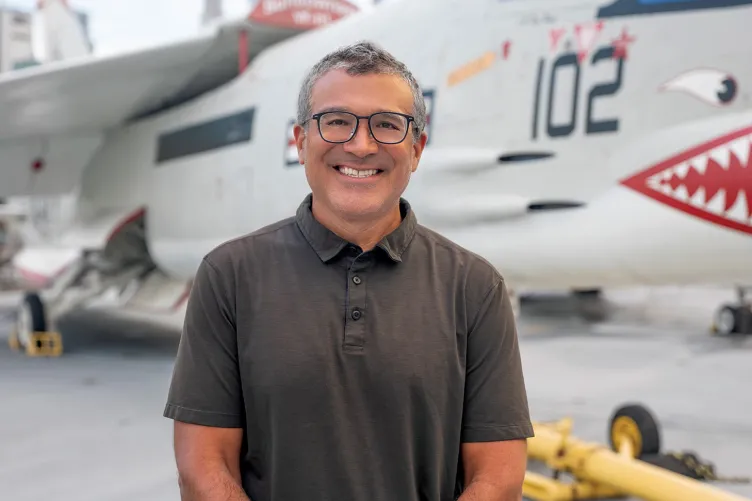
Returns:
(712,86)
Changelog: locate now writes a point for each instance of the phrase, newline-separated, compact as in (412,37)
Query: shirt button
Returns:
(357,280)
(356,314)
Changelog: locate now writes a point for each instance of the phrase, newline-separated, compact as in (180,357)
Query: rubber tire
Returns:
(646,424)
(732,315)
(35,306)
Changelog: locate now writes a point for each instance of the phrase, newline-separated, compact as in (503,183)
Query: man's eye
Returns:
(387,124)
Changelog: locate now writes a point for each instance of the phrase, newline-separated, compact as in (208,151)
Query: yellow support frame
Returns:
(601,473)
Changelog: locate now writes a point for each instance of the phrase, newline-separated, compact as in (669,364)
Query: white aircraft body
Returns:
(577,144)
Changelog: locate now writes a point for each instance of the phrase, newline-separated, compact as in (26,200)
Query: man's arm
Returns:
(205,398)
(207,461)
(496,419)
(494,471)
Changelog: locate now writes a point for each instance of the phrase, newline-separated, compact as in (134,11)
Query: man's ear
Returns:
(418,147)
(299,133)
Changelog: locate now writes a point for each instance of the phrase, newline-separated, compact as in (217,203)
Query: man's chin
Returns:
(359,206)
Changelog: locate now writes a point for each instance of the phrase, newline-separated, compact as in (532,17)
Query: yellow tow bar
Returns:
(600,472)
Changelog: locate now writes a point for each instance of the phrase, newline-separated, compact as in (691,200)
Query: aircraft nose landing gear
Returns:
(31,332)
(734,318)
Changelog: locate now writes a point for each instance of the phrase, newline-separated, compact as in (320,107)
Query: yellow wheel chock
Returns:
(41,344)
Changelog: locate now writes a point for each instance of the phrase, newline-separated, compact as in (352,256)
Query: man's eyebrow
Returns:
(334,108)
(346,109)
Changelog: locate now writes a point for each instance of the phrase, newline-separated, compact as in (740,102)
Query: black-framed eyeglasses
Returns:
(341,126)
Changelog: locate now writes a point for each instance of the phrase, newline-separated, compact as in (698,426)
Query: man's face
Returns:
(340,193)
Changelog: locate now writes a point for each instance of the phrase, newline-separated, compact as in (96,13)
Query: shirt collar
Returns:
(328,245)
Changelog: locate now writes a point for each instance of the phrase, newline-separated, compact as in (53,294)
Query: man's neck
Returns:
(361,232)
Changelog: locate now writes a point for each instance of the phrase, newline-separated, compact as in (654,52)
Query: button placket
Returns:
(355,319)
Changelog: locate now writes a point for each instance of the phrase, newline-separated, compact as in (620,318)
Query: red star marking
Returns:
(554,37)
(621,44)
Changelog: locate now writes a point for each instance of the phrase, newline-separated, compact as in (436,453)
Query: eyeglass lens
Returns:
(338,127)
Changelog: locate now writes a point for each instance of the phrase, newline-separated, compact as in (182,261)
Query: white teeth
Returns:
(681,170)
(738,212)
(698,199)
(740,147)
(718,203)
(722,156)
(348,171)
(700,163)
(666,189)
(681,193)
(667,174)
(654,181)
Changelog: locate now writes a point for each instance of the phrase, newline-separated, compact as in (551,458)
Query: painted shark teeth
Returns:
(739,211)
(741,147)
(688,182)
(698,199)
(655,181)
(718,203)
(681,170)
(700,163)
(722,156)
(682,194)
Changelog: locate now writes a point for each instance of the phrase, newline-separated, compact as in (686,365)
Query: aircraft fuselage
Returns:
(614,110)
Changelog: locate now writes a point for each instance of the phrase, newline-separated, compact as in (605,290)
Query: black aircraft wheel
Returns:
(732,319)
(726,320)
(31,318)
(635,424)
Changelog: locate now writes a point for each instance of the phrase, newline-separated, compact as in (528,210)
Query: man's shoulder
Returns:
(472,269)
(260,241)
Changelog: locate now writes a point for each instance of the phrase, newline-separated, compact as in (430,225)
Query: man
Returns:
(348,353)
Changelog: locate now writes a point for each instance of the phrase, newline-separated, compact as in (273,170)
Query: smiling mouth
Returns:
(356,173)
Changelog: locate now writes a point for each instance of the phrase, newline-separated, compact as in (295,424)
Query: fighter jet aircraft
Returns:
(574,144)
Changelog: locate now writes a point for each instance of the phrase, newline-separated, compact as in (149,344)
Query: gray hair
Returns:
(362,58)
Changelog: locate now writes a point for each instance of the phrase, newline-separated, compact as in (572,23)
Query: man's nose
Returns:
(362,144)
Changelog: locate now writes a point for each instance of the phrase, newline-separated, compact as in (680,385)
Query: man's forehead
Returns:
(361,93)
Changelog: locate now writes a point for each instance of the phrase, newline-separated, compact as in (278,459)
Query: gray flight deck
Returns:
(89,425)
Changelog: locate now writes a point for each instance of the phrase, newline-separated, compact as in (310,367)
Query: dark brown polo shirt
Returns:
(355,375)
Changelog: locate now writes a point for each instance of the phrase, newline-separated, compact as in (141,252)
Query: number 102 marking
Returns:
(592,125)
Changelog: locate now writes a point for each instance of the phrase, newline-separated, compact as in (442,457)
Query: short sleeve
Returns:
(205,387)
(496,406)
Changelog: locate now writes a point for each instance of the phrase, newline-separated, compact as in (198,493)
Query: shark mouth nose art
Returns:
(712,181)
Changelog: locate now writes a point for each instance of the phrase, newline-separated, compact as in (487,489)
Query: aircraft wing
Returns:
(93,93)
(64,107)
